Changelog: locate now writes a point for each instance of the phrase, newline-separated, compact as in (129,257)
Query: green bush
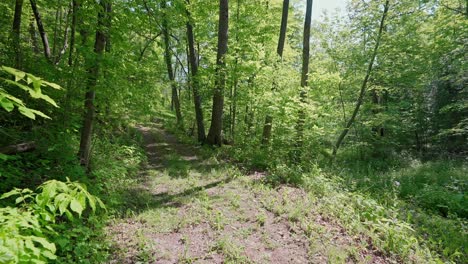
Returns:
(27,230)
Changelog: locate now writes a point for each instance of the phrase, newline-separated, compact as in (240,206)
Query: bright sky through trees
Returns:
(330,6)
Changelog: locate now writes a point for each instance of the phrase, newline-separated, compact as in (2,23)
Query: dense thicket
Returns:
(383,90)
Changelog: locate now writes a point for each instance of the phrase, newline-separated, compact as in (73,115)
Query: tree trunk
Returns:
(193,59)
(57,27)
(33,34)
(377,101)
(233,94)
(108,25)
(40,27)
(64,48)
(304,80)
(93,75)
(364,83)
(214,135)
(73,31)
(16,33)
(266,135)
(170,72)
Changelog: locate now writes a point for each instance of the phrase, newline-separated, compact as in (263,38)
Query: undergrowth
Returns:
(61,229)
(413,211)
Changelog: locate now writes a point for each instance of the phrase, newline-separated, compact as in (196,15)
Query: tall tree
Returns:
(279,50)
(214,135)
(16,32)
(194,80)
(304,78)
(168,60)
(364,82)
(42,32)
(75,7)
(93,75)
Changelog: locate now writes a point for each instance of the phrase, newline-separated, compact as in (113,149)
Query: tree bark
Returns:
(57,27)
(93,75)
(193,59)
(16,33)
(170,72)
(64,48)
(364,83)
(73,31)
(214,135)
(108,25)
(304,80)
(266,135)
(284,26)
(40,27)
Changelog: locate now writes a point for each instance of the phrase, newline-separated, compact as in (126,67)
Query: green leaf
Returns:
(53,85)
(14,99)
(76,206)
(48,255)
(46,244)
(19,200)
(39,113)
(48,99)
(17,73)
(36,81)
(10,193)
(22,86)
(7,104)
(27,112)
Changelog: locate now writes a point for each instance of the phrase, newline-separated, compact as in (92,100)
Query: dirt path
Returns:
(190,208)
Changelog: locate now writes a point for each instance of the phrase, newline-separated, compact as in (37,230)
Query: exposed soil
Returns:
(187,208)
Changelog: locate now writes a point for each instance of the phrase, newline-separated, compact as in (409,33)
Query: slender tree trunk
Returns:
(40,27)
(304,80)
(234,109)
(16,33)
(233,105)
(266,135)
(93,75)
(108,25)
(33,35)
(73,31)
(284,26)
(377,101)
(214,135)
(57,27)
(64,48)
(364,82)
(170,72)
(189,72)
(193,58)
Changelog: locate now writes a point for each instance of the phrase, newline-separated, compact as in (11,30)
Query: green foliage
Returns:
(26,229)
(22,239)
(24,81)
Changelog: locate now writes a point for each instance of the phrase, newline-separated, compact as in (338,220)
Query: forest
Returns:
(233,131)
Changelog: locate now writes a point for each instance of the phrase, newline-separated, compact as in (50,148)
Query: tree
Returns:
(16,33)
(364,82)
(168,59)
(214,135)
(93,76)
(279,50)
(304,78)
(192,54)
(42,32)
(75,7)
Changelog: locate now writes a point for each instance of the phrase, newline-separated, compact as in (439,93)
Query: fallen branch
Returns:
(18,148)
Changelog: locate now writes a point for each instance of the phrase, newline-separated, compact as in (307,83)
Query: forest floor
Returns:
(186,208)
